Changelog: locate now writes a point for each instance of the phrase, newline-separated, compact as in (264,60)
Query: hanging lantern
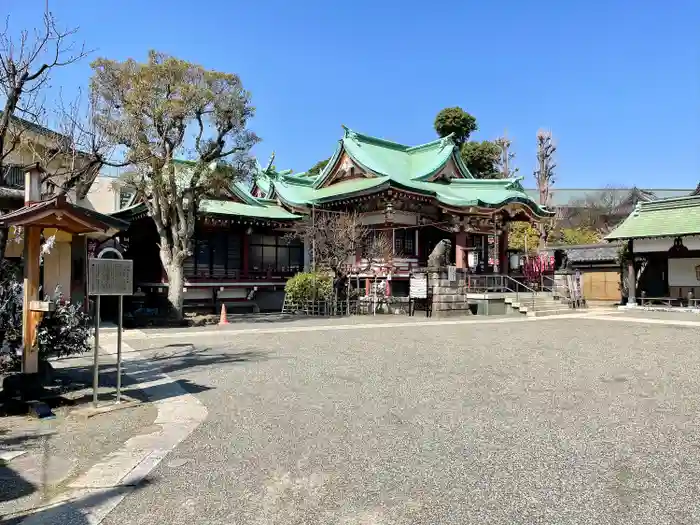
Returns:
(678,249)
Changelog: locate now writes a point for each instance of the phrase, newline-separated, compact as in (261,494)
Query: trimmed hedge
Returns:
(307,286)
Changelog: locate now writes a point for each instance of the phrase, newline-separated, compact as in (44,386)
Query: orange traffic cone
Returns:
(223,319)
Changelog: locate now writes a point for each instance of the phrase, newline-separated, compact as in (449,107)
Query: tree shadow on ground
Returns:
(72,385)
(10,442)
(146,378)
(75,511)
(12,484)
(201,322)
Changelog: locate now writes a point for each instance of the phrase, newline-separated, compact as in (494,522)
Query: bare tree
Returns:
(602,211)
(504,164)
(336,238)
(26,63)
(545,178)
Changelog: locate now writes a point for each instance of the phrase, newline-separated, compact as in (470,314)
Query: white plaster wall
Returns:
(681,272)
(103,195)
(663,244)
(57,270)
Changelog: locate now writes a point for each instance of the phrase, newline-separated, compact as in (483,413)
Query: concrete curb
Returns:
(468,320)
(98,491)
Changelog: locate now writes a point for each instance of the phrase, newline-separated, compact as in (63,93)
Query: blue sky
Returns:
(617,82)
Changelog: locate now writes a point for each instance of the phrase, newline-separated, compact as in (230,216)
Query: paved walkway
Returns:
(104,457)
(42,457)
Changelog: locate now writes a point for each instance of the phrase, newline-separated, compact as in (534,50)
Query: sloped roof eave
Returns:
(327,170)
(358,193)
(672,217)
(613,236)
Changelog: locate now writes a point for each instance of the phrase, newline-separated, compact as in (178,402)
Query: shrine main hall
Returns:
(417,194)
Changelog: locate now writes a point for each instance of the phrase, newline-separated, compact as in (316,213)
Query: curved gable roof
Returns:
(390,159)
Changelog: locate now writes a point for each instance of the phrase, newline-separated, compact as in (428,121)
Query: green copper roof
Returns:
(244,205)
(404,167)
(661,218)
(263,210)
(398,161)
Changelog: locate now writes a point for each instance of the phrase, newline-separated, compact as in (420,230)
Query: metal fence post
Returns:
(119,348)
(95,359)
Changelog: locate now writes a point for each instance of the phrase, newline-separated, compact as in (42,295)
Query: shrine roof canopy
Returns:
(673,217)
(253,207)
(363,165)
(61,214)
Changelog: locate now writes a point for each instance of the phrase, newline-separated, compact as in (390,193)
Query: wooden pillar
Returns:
(631,276)
(503,250)
(416,247)
(496,252)
(245,256)
(32,275)
(461,249)
(484,256)
(32,247)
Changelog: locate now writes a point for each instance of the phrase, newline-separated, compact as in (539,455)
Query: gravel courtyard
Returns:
(566,421)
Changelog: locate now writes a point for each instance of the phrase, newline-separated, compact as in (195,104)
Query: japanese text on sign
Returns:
(110,277)
(452,273)
(418,287)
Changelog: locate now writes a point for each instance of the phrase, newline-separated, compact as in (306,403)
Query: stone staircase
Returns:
(545,304)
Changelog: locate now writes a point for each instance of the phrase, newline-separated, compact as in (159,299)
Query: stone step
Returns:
(549,304)
(558,311)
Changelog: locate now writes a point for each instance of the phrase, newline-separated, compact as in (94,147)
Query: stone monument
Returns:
(448,295)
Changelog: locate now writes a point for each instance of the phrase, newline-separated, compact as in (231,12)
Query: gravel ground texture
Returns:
(567,421)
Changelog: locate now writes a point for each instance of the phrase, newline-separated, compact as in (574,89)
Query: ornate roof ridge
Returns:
(668,203)
(355,135)
(496,182)
(441,142)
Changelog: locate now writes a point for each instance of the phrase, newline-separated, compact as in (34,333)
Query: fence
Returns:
(366,305)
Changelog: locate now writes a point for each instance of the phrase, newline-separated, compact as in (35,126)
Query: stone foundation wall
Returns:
(449,297)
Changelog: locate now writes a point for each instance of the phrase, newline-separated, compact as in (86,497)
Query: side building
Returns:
(662,240)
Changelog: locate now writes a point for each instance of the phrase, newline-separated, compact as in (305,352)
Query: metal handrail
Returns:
(555,287)
(532,292)
(502,283)
(668,301)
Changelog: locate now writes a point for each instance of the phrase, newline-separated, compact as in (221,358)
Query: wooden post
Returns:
(631,276)
(461,250)
(30,320)
(32,248)
(245,255)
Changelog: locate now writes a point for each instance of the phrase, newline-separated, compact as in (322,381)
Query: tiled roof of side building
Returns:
(262,209)
(672,217)
(267,210)
(583,253)
(37,128)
